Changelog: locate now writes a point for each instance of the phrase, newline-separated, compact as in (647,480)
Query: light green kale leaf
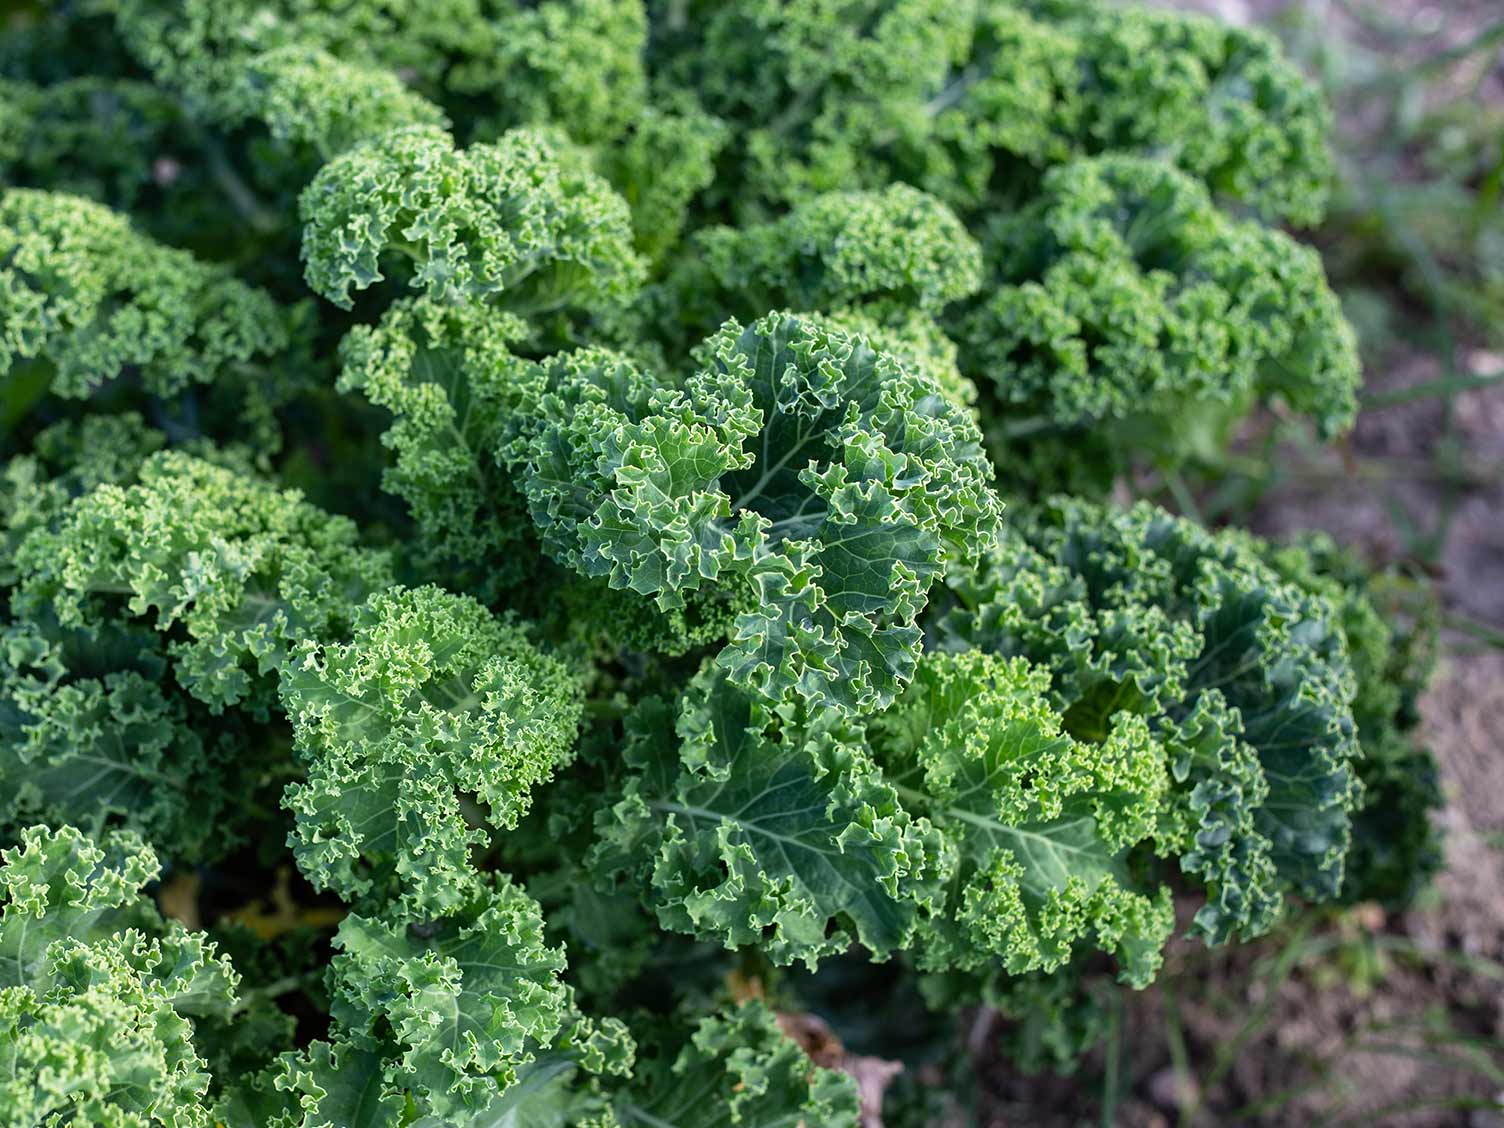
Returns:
(764,827)
(819,484)
(1244,678)
(733,1068)
(97,1000)
(445,373)
(243,570)
(433,722)
(92,299)
(1041,824)
(458,1020)
(511,221)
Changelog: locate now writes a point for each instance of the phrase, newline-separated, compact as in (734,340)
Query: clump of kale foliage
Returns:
(534,514)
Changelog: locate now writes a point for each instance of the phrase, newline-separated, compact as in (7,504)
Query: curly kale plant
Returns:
(1127,313)
(104,1006)
(812,482)
(1245,679)
(89,301)
(428,679)
(510,220)
(527,556)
